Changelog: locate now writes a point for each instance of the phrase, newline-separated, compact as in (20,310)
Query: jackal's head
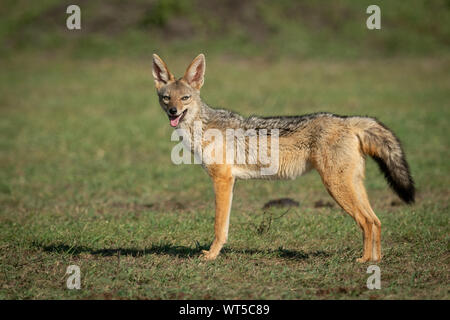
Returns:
(180,99)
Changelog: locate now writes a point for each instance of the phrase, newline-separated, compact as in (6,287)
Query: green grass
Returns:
(86,179)
(294,28)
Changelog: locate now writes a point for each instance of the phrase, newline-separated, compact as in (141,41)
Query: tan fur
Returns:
(334,146)
(223,188)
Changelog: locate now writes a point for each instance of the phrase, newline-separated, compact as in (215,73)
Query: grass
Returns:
(304,28)
(86,179)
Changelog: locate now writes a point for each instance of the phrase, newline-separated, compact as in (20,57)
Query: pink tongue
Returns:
(174,122)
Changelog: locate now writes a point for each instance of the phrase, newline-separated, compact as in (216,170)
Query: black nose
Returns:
(173,111)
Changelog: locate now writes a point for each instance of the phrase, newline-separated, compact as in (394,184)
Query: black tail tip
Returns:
(399,179)
(408,195)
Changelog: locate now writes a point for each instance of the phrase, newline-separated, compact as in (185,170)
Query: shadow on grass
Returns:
(179,251)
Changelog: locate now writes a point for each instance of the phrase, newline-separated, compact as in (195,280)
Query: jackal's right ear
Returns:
(160,72)
(195,73)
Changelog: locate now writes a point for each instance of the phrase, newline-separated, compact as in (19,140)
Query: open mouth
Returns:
(174,120)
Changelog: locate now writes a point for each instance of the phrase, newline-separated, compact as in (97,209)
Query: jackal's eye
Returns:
(166,98)
(185,98)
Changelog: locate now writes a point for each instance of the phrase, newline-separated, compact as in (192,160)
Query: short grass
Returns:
(86,179)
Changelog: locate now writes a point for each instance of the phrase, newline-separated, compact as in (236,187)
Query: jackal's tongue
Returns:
(174,121)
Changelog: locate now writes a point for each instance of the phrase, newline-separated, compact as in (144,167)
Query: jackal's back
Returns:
(311,140)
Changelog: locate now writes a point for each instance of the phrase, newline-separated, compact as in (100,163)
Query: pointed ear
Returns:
(195,72)
(161,73)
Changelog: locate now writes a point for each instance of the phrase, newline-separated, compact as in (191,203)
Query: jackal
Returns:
(333,145)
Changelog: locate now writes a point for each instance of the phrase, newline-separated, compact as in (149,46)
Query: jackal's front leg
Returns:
(223,189)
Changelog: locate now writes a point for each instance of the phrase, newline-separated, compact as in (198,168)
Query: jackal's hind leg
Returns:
(376,228)
(342,187)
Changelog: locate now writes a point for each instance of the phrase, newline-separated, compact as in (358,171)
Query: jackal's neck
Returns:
(205,114)
(215,118)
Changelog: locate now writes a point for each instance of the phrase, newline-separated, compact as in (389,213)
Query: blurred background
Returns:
(85,170)
(263,28)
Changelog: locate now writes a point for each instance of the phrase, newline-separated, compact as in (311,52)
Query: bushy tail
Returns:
(383,146)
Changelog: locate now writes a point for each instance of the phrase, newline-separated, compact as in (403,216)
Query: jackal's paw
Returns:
(362,260)
(207,255)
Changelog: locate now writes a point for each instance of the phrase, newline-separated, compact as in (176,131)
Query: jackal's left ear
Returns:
(161,73)
(195,73)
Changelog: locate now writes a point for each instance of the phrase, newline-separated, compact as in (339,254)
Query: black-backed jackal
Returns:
(333,145)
